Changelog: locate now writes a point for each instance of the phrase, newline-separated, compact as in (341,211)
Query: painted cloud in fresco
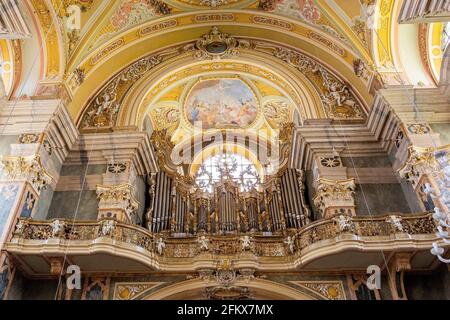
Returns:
(221,103)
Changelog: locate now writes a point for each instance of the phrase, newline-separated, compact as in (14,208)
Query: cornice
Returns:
(120,145)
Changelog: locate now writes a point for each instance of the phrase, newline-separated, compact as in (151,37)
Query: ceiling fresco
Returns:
(217,102)
(221,103)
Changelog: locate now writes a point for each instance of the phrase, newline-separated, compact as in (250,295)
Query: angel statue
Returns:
(246,243)
(160,246)
(290,242)
(204,243)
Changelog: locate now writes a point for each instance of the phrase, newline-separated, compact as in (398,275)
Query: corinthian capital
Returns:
(335,197)
(28,169)
(117,202)
(424,161)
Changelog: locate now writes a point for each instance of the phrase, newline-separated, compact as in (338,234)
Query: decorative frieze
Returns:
(364,227)
(335,197)
(419,128)
(117,202)
(117,167)
(330,162)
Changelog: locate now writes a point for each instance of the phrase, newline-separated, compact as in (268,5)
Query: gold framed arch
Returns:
(260,288)
(318,75)
(149,88)
(124,53)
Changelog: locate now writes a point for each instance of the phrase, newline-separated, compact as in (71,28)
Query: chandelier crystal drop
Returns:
(442,195)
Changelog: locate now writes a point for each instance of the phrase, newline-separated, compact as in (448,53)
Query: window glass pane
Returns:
(227,166)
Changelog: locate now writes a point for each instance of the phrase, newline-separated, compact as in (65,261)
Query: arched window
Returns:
(227,166)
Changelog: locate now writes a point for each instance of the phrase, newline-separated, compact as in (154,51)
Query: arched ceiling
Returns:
(336,34)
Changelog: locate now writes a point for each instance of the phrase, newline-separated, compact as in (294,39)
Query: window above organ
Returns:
(227,166)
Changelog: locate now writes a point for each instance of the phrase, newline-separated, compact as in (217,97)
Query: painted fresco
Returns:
(221,103)
(28,205)
(8,194)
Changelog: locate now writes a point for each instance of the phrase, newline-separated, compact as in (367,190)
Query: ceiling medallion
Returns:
(216,45)
(213,3)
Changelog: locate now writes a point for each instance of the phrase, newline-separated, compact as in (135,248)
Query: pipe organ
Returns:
(183,209)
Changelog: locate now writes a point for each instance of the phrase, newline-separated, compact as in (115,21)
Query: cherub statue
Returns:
(108,227)
(290,242)
(361,69)
(246,243)
(396,222)
(204,243)
(160,246)
(57,228)
(344,222)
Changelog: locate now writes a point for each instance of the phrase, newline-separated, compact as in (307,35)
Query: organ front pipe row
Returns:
(175,208)
(280,205)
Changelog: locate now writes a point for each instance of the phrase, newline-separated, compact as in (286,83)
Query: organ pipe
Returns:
(182,209)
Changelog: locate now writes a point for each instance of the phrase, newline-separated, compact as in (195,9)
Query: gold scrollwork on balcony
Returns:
(365,227)
(368,228)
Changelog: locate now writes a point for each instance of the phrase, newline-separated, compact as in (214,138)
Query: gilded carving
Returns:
(361,69)
(216,45)
(28,138)
(132,291)
(117,202)
(76,79)
(186,248)
(26,168)
(420,162)
(335,197)
(332,290)
(338,100)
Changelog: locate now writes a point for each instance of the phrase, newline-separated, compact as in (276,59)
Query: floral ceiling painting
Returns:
(221,103)
(129,13)
(303,9)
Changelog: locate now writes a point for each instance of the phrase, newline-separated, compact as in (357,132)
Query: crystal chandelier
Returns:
(443,196)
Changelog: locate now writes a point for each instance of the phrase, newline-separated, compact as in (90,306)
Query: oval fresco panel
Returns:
(221,103)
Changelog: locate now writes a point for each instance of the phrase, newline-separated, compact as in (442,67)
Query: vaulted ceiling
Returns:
(152,37)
